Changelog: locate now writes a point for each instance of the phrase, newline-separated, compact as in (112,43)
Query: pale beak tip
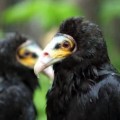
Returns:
(49,72)
(38,68)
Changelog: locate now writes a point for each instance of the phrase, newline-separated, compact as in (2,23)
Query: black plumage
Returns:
(86,86)
(17,82)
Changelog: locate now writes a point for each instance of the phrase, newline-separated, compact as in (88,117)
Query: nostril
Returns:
(46,53)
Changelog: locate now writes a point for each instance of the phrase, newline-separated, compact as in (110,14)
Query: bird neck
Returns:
(17,76)
(80,80)
(69,83)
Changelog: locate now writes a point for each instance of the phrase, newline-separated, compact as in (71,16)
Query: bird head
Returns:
(17,50)
(19,53)
(27,53)
(78,43)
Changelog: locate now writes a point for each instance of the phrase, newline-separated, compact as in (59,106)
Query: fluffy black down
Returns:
(86,86)
(17,83)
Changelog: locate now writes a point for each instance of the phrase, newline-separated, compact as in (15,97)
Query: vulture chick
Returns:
(86,86)
(18,55)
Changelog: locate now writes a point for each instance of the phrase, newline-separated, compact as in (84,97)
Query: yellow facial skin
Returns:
(26,60)
(59,48)
(27,54)
(62,51)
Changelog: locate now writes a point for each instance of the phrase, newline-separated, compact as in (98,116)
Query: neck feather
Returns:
(79,80)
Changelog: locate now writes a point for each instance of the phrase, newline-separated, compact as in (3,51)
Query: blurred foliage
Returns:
(113,53)
(1,34)
(109,10)
(40,95)
(50,13)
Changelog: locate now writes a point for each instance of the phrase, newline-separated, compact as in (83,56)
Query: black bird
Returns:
(86,86)
(18,55)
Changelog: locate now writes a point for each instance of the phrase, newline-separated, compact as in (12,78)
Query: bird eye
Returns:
(26,53)
(34,55)
(66,44)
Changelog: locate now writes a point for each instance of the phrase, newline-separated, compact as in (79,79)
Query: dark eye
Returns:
(34,55)
(57,46)
(66,44)
(26,53)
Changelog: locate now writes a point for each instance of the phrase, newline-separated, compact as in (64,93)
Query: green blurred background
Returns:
(41,18)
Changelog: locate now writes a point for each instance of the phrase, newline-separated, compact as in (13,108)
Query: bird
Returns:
(86,85)
(18,54)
